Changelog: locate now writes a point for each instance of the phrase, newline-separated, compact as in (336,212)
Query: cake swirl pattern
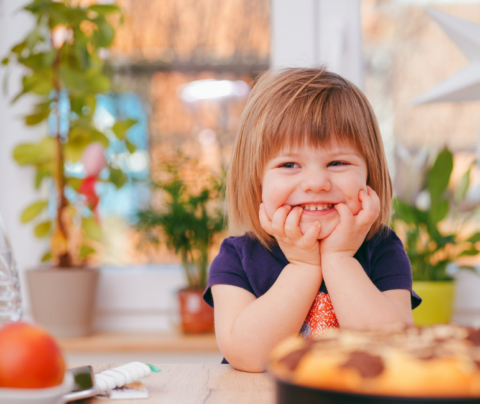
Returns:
(439,361)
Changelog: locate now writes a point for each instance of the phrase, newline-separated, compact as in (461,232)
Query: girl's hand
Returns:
(298,248)
(351,230)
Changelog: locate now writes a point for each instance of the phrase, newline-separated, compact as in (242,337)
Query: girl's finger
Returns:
(367,215)
(265,221)
(376,201)
(292,228)
(344,212)
(278,220)
(311,235)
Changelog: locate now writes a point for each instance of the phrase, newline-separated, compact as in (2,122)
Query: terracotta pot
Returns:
(63,299)
(196,315)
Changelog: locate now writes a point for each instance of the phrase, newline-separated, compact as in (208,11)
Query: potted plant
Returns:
(188,222)
(64,72)
(435,236)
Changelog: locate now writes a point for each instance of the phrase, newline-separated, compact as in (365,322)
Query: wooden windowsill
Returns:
(141,342)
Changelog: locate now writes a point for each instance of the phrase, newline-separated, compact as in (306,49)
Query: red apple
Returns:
(29,357)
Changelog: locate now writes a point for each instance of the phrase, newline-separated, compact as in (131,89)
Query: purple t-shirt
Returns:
(244,262)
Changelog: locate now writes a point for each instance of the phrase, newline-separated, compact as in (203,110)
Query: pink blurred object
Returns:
(93,159)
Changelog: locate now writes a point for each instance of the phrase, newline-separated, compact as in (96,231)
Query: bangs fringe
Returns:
(314,119)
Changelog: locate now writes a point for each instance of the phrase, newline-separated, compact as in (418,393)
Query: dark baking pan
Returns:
(288,393)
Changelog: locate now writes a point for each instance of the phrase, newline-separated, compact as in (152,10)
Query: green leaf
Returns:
(83,105)
(130,146)
(117,177)
(40,82)
(438,211)
(33,38)
(462,188)
(32,211)
(98,84)
(470,252)
(36,118)
(5,61)
(91,228)
(85,251)
(25,153)
(104,35)
(19,47)
(38,61)
(42,229)
(120,128)
(474,238)
(59,14)
(31,153)
(73,182)
(47,256)
(408,213)
(41,174)
(49,58)
(104,9)
(439,174)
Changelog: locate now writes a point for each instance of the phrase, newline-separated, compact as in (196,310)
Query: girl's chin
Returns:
(327,228)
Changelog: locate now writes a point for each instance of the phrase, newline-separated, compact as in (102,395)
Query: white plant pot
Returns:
(466,310)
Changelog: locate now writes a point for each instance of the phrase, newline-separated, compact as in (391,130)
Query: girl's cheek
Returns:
(269,207)
(357,203)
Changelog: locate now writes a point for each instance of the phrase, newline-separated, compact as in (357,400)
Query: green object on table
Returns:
(437,304)
(153,368)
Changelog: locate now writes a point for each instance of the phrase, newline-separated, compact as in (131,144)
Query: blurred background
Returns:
(181,72)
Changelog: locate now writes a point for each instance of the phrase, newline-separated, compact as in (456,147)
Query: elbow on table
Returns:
(246,364)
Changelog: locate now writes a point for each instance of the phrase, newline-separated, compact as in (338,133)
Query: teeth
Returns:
(317,206)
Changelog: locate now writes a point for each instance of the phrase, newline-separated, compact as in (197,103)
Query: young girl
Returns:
(309,186)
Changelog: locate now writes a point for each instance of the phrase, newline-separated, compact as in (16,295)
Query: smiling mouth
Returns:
(316,206)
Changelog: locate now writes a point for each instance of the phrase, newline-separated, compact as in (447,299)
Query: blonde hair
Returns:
(294,107)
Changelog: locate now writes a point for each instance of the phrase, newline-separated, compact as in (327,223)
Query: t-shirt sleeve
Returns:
(391,268)
(226,269)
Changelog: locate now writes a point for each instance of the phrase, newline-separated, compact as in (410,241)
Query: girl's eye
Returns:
(338,163)
(289,165)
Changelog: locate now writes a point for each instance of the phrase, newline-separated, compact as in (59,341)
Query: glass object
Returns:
(10,299)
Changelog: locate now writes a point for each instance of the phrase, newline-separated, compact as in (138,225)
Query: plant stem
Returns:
(186,265)
(65,259)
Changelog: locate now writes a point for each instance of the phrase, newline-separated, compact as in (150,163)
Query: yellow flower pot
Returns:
(437,304)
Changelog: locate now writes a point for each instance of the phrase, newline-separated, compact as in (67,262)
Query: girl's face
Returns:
(315,179)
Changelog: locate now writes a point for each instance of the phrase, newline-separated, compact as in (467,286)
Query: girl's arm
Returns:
(248,328)
(357,301)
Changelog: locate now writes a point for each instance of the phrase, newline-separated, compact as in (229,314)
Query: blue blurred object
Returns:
(124,202)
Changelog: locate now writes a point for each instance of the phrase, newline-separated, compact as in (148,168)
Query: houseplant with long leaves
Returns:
(64,73)
(435,237)
(189,222)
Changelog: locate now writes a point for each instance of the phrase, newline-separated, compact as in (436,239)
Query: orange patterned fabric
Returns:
(321,317)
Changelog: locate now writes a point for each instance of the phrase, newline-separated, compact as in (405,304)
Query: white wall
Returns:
(314,32)
(16,183)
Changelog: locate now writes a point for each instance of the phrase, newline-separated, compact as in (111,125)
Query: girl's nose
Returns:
(316,182)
